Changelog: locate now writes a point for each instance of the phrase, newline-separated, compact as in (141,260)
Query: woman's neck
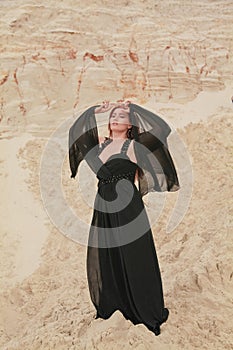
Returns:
(118,136)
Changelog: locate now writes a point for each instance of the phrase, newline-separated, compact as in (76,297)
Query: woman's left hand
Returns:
(123,104)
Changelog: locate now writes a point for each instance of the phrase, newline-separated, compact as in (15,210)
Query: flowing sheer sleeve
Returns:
(157,173)
(83,140)
(152,153)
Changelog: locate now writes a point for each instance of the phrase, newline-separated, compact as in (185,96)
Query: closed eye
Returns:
(120,115)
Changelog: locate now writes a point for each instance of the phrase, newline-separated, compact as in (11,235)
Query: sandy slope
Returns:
(57,58)
(22,223)
(51,308)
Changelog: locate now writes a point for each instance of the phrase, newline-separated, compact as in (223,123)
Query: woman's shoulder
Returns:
(102,139)
(131,151)
(131,144)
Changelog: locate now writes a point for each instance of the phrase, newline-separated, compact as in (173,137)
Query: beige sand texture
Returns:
(58,58)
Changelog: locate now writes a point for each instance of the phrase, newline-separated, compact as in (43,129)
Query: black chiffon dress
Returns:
(122,266)
(123,271)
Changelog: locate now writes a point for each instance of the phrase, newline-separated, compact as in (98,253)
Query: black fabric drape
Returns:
(151,148)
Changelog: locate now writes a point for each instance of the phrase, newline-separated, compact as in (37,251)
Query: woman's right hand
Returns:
(104,107)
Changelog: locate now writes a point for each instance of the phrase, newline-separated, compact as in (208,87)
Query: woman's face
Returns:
(119,120)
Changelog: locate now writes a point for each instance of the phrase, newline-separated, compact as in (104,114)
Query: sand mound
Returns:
(58,58)
(51,309)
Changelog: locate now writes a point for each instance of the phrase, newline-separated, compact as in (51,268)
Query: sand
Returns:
(59,58)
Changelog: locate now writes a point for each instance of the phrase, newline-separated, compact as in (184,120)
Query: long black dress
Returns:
(122,266)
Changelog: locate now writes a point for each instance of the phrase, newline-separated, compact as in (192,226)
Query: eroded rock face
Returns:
(59,56)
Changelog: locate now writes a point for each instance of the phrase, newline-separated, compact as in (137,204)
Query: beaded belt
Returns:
(115,178)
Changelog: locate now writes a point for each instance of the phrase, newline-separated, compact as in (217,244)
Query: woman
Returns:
(122,266)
